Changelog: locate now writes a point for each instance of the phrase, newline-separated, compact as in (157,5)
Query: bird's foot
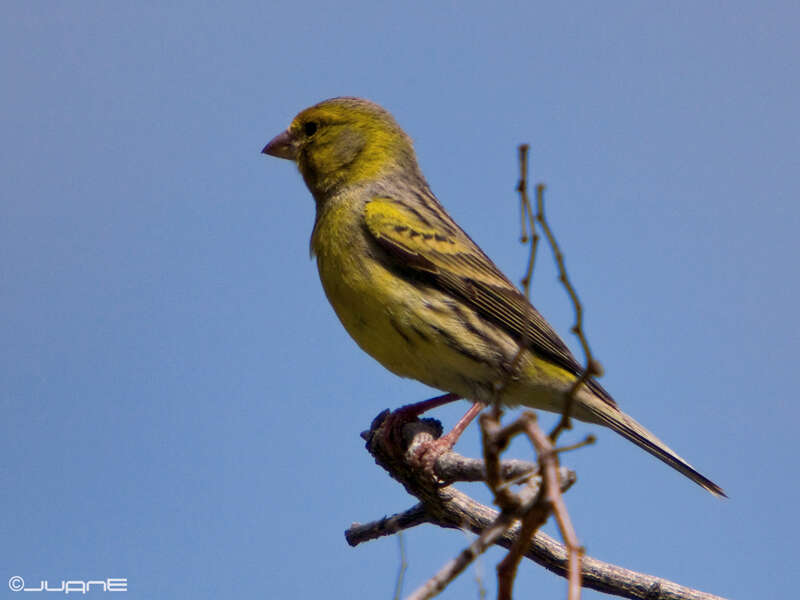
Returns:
(428,452)
(425,454)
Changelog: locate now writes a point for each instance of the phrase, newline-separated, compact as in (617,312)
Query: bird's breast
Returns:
(412,328)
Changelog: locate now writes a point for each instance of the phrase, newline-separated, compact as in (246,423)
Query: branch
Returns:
(447,507)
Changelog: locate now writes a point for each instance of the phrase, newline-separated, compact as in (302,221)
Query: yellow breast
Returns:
(409,328)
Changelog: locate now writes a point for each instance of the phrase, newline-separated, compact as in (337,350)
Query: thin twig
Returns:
(527,219)
(478,569)
(548,464)
(401,571)
(507,569)
(455,567)
(496,438)
(593,368)
(449,508)
(587,441)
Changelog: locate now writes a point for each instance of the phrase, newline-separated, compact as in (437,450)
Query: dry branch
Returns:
(447,507)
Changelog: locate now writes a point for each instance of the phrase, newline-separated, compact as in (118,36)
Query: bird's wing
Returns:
(425,242)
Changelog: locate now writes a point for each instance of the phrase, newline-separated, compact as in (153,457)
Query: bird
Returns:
(415,292)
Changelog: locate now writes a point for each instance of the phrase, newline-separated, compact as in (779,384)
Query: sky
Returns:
(180,407)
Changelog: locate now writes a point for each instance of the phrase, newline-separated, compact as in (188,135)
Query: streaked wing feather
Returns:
(435,247)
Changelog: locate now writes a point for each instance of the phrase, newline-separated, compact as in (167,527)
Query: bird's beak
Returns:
(282,146)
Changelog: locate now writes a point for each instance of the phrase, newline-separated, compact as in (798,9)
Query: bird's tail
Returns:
(629,428)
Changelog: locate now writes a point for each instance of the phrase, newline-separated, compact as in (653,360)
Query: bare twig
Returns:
(527,219)
(401,570)
(587,441)
(447,507)
(507,569)
(477,568)
(495,439)
(392,457)
(528,506)
(548,463)
(593,367)
(358,533)
(453,467)
(452,569)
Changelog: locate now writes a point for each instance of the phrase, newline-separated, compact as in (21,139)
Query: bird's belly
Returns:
(416,331)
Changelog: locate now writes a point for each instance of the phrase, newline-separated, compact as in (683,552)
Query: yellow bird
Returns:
(414,291)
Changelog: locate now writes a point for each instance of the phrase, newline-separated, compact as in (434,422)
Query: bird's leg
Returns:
(410,411)
(452,437)
(427,453)
(393,424)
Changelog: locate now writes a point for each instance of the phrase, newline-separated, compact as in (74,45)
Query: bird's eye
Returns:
(310,128)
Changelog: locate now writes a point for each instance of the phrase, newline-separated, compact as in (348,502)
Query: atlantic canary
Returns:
(414,291)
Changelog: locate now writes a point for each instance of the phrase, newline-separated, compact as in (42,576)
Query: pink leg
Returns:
(427,453)
(446,442)
(405,414)
(409,411)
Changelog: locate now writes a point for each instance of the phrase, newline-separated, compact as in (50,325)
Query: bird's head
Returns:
(344,141)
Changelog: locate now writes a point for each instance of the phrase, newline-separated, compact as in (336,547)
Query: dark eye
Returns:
(310,128)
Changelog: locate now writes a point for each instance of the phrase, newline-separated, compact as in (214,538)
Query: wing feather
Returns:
(435,248)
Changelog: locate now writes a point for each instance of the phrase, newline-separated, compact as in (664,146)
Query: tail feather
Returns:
(630,429)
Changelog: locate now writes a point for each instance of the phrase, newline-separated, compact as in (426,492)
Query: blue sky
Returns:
(180,406)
